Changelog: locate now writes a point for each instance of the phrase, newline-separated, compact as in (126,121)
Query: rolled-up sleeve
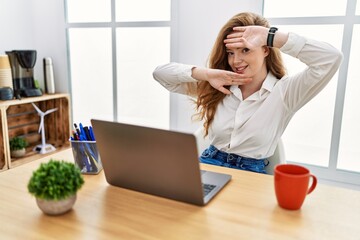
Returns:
(176,77)
(322,60)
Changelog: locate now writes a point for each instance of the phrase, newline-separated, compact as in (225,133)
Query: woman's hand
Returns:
(253,36)
(247,37)
(219,78)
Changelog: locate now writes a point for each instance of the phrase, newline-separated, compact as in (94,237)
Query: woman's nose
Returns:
(238,59)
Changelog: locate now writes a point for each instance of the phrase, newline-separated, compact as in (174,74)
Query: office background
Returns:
(42,25)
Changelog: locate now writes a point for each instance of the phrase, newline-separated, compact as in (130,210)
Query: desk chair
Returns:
(277,158)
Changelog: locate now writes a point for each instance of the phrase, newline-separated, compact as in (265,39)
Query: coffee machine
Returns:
(22,68)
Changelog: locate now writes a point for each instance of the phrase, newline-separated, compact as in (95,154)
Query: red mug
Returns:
(292,185)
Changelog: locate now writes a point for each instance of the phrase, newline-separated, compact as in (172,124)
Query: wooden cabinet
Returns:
(19,118)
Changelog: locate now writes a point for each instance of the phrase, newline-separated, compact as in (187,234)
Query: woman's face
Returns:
(248,62)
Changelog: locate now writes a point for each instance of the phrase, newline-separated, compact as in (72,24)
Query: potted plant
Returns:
(55,184)
(17,146)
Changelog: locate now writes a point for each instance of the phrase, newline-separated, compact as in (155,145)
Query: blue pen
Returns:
(91,133)
(82,132)
(81,154)
(87,133)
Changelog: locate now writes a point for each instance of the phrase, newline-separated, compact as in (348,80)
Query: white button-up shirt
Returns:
(252,127)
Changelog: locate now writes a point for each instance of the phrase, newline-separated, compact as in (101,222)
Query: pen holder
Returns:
(86,156)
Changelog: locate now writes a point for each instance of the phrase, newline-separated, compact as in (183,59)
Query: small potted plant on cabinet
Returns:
(17,147)
(55,184)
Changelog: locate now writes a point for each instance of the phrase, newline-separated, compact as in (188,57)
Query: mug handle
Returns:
(313,184)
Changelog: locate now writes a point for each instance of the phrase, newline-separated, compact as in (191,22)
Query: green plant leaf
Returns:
(17,143)
(55,180)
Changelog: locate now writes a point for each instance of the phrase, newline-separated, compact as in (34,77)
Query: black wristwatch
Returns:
(271,35)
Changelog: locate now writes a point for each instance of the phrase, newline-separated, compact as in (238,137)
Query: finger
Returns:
(224,90)
(234,35)
(239,29)
(241,43)
(236,79)
(232,75)
(238,44)
(232,40)
(242,81)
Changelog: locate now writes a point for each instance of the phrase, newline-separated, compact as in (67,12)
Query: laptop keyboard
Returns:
(207,188)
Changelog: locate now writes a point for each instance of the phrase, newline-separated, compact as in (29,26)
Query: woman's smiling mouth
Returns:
(240,69)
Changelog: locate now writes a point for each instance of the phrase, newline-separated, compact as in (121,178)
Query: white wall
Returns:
(50,33)
(39,25)
(15,25)
(198,25)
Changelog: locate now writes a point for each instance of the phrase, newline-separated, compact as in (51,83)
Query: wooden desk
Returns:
(245,209)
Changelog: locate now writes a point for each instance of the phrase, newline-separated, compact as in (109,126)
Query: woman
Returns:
(244,96)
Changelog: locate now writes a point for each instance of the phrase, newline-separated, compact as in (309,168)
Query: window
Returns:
(113,48)
(135,63)
(83,11)
(304,8)
(328,143)
(129,11)
(349,151)
(302,145)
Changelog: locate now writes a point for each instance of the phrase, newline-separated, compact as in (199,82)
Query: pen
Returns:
(87,133)
(91,133)
(86,152)
(75,136)
(77,130)
(82,132)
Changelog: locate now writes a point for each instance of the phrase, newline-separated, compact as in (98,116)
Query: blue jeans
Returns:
(214,156)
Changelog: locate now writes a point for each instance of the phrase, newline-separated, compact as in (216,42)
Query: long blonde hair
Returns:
(208,97)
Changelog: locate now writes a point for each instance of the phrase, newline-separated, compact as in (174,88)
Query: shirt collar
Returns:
(267,86)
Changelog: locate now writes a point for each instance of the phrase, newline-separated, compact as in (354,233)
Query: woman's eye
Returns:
(245,50)
(230,53)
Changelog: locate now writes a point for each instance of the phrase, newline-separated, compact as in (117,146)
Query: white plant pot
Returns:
(52,207)
(18,153)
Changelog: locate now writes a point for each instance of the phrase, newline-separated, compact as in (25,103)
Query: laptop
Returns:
(155,161)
